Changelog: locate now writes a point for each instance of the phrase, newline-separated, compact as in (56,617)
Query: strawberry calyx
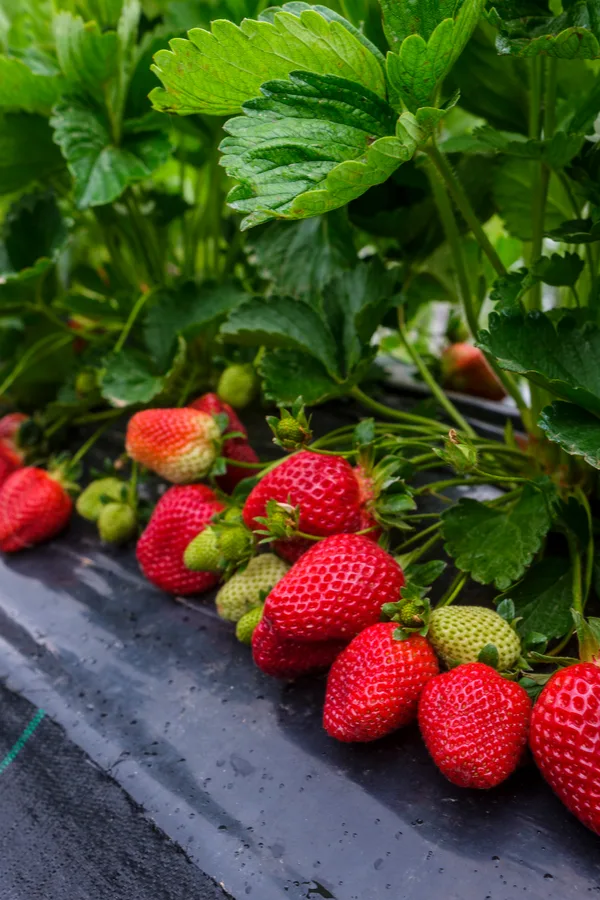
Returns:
(66,472)
(281,522)
(292,430)
(458,452)
(588,635)
(411,612)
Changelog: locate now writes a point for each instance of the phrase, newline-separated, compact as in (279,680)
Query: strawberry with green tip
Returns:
(246,589)
(465,369)
(374,685)
(90,502)
(460,633)
(246,626)
(475,724)
(181,445)
(236,448)
(34,507)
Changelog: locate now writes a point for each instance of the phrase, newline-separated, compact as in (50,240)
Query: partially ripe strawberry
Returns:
(459,634)
(34,506)
(180,445)
(565,739)
(246,589)
(12,456)
(283,658)
(474,723)
(180,514)
(374,685)
(465,369)
(335,590)
(10,425)
(234,448)
(325,489)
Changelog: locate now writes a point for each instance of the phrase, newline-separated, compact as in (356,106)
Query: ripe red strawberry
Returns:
(234,448)
(465,369)
(335,590)
(374,686)
(474,723)
(178,444)
(34,506)
(565,739)
(324,487)
(11,456)
(282,658)
(180,514)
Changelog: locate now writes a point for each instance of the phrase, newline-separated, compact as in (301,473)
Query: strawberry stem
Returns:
(453,591)
(89,444)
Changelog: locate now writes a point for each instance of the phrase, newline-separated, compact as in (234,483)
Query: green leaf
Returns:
(187,311)
(576,231)
(100,169)
(512,192)
(27,153)
(495,546)
(507,290)
(302,257)
(558,270)
(282,322)
(575,429)
(216,72)
(86,55)
(556,152)
(425,574)
(419,66)
(23,89)
(356,302)
(570,35)
(310,145)
(563,359)
(404,17)
(127,379)
(34,232)
(287,372)
(543,599)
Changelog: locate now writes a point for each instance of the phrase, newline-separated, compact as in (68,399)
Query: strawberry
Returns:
(335,590)
(10,425)
(117,523)
(178,444)
(246,589)
(565,739)
(326,490)
(237,385)
(179,515)
(459,634)
(89,503)
(11,456)
(374,685)
(246,626)
(465,369)
(234,448)
(34,506)
(474,723)
(283,658)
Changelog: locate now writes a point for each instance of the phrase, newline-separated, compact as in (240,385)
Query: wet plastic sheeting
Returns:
(235,767)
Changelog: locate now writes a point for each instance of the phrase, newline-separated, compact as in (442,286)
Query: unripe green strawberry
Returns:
(459,634)
(117,523)
(89,503)
(246,625)
(86,382)
(237,385)
(233,514)
(235,543)
(202,554)
(246,589)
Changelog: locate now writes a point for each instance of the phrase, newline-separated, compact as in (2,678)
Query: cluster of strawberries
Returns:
(326,595)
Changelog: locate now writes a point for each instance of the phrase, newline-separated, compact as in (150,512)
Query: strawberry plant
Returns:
(207,206)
